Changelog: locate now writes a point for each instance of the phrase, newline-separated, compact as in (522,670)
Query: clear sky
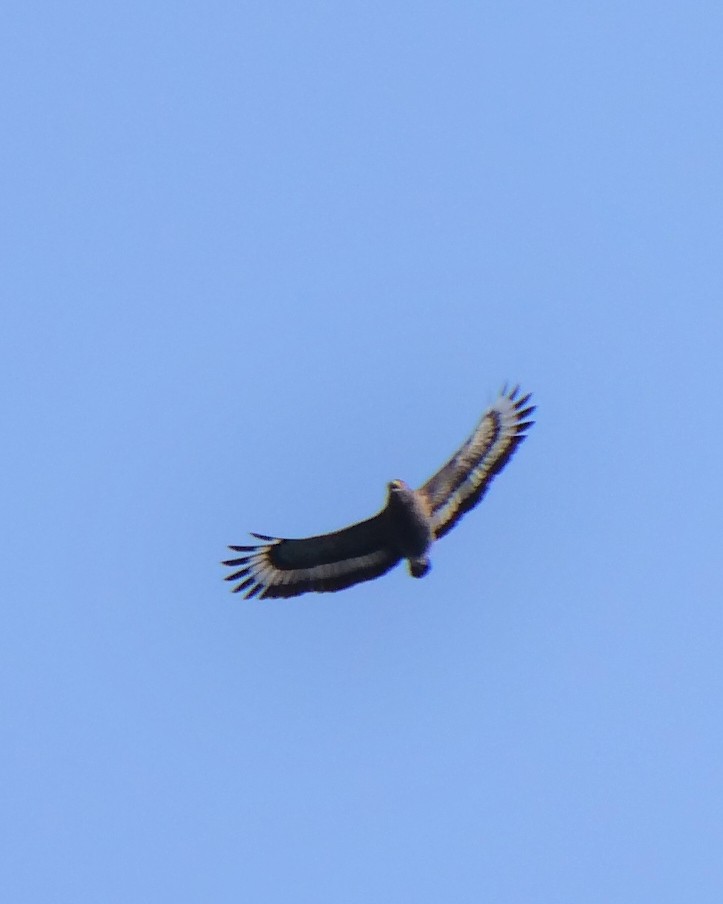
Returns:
(257,260)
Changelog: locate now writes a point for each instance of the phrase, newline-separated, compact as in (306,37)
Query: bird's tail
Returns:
(419,567)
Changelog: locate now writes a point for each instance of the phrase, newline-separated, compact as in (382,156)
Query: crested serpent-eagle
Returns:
(404,529)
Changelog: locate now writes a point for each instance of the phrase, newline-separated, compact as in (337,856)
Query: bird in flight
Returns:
(405,528)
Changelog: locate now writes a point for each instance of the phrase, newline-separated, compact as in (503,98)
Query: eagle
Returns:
(405,528)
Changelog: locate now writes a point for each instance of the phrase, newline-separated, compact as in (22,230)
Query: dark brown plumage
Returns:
(404,529)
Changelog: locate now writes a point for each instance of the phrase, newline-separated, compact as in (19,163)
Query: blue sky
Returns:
(259,259)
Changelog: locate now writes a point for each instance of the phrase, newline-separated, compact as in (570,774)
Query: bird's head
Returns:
(397,486)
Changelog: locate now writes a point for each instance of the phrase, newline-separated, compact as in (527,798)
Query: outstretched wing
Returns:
(462,482)
(281,568)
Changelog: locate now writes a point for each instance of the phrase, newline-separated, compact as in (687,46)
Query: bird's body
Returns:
(409,526)
(405,528)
